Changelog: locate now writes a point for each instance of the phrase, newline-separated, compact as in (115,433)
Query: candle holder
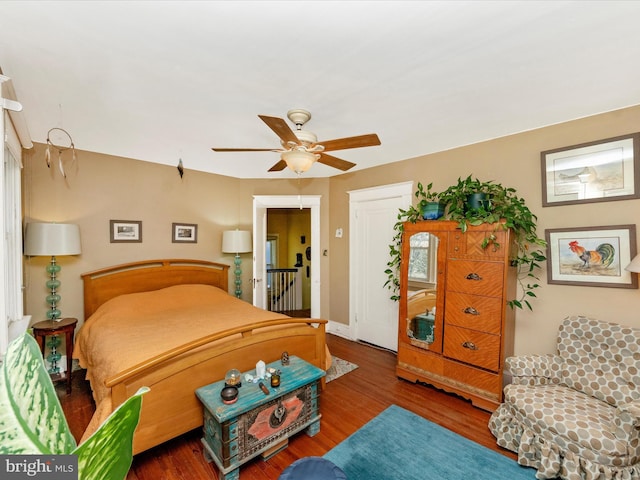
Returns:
(275,379)
(233,378)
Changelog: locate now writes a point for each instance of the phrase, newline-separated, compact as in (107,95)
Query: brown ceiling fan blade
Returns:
(281,128)
(369,140)
(216,149)
(281,165)
(335,162)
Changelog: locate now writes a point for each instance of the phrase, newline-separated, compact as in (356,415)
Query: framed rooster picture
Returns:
(591,256)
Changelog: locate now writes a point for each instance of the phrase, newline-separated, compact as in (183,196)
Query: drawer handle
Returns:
(471,311)
(473,276)
(470,345)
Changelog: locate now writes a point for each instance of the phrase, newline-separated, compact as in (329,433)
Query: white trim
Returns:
(381,192)
(340,329)
(12,317)
(294,201)
(15,137)
(11,104)
(13,142)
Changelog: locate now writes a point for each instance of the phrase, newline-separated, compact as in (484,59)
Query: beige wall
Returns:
(107,187)
(513,161)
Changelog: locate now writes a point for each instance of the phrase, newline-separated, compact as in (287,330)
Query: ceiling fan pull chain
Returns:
(299,195)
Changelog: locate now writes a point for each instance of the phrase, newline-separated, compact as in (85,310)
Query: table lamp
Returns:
(237,241)
(51,239)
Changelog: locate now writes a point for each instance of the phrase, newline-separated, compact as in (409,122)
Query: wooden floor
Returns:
(346,404)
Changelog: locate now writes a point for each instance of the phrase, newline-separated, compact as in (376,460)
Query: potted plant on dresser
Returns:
(429,204)
(495,204)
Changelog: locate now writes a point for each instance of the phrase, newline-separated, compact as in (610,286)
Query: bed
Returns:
(172,326)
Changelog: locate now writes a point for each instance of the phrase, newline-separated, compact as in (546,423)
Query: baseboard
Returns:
(339,329)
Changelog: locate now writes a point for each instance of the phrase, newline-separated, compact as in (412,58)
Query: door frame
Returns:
(260,205)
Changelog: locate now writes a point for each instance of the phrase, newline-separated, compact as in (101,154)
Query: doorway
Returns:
(261,205)
(373,213)
(288,257)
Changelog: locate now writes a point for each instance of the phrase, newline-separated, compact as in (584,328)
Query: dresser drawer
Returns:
(477,278)
(468,245)
(473,347)
(474,311)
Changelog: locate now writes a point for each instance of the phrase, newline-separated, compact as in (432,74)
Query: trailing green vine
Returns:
(501,203)
(411,214)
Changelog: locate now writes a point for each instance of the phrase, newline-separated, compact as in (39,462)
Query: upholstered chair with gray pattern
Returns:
(575,415)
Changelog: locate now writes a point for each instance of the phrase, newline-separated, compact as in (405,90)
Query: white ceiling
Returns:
(163,80)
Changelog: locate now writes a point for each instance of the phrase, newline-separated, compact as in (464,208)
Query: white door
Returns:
(373,213)
(260,205)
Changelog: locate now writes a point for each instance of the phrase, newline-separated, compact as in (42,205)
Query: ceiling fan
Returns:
(301,149)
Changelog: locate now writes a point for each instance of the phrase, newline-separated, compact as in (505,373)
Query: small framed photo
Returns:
(591,256)
(184,233)
(125,231)
(599,171)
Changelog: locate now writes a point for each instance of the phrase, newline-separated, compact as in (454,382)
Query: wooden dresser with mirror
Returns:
(455,328)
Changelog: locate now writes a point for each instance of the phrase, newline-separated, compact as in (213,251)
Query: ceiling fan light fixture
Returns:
(299,160)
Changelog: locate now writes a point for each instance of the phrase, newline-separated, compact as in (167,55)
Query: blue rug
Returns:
(398,444)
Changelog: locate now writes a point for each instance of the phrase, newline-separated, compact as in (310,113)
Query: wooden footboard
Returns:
(171,407)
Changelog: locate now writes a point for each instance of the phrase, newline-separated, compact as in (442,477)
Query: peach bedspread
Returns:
(130,329)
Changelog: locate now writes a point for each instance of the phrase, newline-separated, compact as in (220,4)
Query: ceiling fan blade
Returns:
(335,162)
(280,127)
(216,149)
(281,165)
(369,140)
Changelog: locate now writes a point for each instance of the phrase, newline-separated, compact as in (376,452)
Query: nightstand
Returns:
(49,328)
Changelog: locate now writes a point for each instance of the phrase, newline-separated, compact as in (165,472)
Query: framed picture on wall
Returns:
(125,231)
(598,171)
(184,233)
(591,256)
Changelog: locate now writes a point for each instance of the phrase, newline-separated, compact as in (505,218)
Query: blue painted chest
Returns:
(259,423)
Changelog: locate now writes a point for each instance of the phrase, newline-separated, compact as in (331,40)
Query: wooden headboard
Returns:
(147,275)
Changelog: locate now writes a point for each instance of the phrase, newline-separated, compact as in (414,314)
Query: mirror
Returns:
(422,287)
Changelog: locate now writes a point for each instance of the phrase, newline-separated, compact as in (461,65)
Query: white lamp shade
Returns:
(236,241)
(299,160)
(634,266)
(51,239)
